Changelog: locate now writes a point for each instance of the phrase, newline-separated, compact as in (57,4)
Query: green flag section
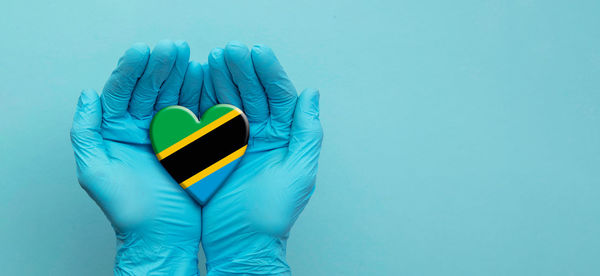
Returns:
(174,123)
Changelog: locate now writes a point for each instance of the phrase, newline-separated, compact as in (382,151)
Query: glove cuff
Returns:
(266,261)
(137,256)
(250,268)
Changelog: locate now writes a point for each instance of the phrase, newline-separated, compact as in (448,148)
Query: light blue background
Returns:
(462,137)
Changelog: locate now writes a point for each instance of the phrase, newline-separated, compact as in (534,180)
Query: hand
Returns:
(156,223)
(247,222)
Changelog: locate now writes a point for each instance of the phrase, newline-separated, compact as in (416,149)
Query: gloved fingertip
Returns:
(195,67)
(181,43)
(315,97)
(216,52)
(260,48)
(183,49)
(265,61)
(235,50)
(87,97)
(88,113)
(141,48)
(309,102)
(138,52)
(235,44)
(215,56)
(166,47)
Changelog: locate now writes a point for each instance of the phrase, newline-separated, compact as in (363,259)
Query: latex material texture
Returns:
(156,224)
(247,222)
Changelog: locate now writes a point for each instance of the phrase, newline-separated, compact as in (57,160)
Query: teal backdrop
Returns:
(461,137)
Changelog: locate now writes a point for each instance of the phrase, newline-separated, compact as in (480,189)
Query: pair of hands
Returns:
(244,227)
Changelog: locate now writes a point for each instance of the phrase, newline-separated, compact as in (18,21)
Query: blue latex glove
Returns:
(157,224)
(247,222)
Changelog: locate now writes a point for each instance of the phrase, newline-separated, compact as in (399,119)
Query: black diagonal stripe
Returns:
(207,150)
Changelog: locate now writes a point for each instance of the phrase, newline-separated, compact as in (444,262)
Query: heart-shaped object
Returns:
(199,154)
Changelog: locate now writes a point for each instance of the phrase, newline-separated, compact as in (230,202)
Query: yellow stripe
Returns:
(197,134)
(213,168)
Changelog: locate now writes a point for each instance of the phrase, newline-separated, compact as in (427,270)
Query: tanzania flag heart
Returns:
(199,155)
